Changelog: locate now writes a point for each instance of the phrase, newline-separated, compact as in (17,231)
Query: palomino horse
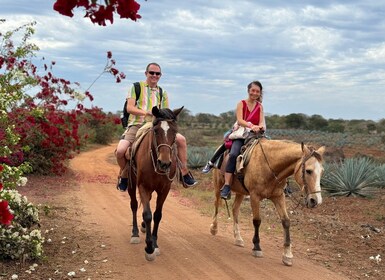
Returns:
(153,168)
(271,163)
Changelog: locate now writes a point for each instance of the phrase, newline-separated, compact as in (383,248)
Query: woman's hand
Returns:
(256,128)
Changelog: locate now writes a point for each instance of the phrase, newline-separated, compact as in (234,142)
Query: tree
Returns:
(381,125)
(205,118)
(275,122)
(317,122)
(336,125)
(99,13)
(295,121)
(372,127)
(228,117)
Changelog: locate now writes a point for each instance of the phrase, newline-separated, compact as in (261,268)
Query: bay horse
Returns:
(153,167)
(271,162)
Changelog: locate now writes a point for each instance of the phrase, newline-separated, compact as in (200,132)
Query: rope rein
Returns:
(268,164)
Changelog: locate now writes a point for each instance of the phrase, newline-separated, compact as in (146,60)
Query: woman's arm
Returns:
(239,114)
(262,123)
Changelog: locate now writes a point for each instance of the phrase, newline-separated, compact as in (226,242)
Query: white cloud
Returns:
(313,57)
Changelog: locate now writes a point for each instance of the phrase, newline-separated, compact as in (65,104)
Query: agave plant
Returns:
(381,175)
(353,177)
(198,156)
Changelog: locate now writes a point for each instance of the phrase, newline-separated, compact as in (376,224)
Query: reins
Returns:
(268,164)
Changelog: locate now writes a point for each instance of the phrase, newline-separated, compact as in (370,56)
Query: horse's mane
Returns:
(164,114)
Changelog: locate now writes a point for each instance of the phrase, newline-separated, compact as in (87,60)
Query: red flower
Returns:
(83,3)
(65,7)
(5,216)
(100,16)
(128,9)
(114,71)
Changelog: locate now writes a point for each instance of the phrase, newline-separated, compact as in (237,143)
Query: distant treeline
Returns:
(292,121)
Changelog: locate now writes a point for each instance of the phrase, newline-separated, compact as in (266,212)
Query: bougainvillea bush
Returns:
(39,132)
(47,127)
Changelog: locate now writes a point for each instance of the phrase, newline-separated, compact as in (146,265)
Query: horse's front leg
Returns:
(255,201)
(280,205)
(214,223)
(134,209)
(236,206)
(147,219)
(217,180)
(157,218)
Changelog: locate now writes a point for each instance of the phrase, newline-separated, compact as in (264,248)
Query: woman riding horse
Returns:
(271,163)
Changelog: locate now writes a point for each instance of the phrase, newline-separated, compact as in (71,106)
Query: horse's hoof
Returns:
(287,261)
(257,254)
(143,229)
(135,240)
(150,257)
(213,230)
(239,242)
(157,251)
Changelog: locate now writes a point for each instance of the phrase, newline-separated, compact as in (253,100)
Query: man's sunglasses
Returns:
(152,73)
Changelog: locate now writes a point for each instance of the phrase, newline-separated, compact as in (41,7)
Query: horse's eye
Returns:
(309,172)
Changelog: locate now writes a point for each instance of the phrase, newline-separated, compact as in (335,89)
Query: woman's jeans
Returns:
(234,153)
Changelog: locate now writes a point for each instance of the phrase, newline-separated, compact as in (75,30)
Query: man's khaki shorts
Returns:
(130,133)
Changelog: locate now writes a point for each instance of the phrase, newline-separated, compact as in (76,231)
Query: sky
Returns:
(312,57)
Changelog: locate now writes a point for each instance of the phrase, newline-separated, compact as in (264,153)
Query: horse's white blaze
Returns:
(318,173)
(164,125)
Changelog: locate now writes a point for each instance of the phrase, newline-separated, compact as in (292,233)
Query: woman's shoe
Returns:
(226,192)
(207,168)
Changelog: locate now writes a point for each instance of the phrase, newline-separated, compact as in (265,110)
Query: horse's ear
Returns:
(177,111)
(321,150)
(155,111)
(304,148)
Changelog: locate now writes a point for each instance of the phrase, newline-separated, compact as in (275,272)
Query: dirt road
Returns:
(188,250)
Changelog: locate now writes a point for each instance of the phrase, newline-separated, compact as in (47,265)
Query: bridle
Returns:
(312,153)
(154,148)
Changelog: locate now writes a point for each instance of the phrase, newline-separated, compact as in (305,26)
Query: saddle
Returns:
(142,131)
(131,151)
(244,157)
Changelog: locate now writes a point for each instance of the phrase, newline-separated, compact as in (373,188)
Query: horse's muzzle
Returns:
(312,201)
(163,166)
